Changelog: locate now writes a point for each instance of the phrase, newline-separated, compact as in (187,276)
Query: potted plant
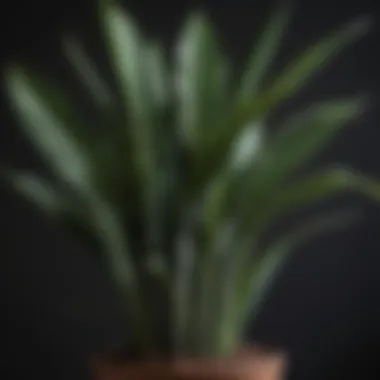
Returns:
(174,192)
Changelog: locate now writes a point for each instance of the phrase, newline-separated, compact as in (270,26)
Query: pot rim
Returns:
(249,359)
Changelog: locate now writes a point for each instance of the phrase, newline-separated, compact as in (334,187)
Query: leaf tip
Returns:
(361,26)
(13,70)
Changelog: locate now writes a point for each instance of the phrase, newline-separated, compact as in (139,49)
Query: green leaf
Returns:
(293,78)
(36,189)
(128,52)
(201,79)
(87,72)
(263,53)
(297,74)
(248,146)
(273,257)
(62,151)
(300,139)
(49,127)
(159,92)
(126,48)
(304,134)
(158,78)
(315,188)
(257,278)
(92,212)
(301,69)
(107,225)
(245,152)
(62,207)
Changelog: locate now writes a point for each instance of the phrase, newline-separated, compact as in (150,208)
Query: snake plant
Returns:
(175,185)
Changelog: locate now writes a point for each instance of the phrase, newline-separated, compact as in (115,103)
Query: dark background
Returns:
(59,307)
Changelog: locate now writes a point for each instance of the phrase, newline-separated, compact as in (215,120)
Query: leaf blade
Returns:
(47,128)
(34,188)
(201,79)
(125,46)
(258,277)
(313,59)
(264,52)
(315,188)
(87,72)
(300,140)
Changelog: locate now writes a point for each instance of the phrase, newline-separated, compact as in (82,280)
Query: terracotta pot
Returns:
(251,364)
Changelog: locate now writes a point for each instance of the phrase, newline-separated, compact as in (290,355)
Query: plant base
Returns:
(249,364)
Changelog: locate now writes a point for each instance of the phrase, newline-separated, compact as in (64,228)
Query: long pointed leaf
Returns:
(299,141)
(108,226)
(303,135)
(264,52)
(244,153)
(46,197)
(127,52)
(87,72)
(48,128)
(99,216)
(59,205)
(63,152)
(256,279)
(303,68)
(315,188)
(159,93)
(284,87)
(157,72)
(36,189)
(201,75)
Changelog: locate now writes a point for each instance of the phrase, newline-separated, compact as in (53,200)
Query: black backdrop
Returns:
(58,306)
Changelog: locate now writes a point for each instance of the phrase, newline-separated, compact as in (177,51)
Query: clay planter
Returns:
(252,364)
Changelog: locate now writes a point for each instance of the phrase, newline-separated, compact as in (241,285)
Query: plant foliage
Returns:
(175,194)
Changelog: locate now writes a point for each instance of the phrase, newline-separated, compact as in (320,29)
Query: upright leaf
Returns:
(128,52)
(87,72)
(263,53)
(49,127)
(160,96)
(298,73)
(294,76)
(245,152)
(158,77)
(311,61)
(107,224)
(201,74)
(300,139)
(257,278)
(126,48)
